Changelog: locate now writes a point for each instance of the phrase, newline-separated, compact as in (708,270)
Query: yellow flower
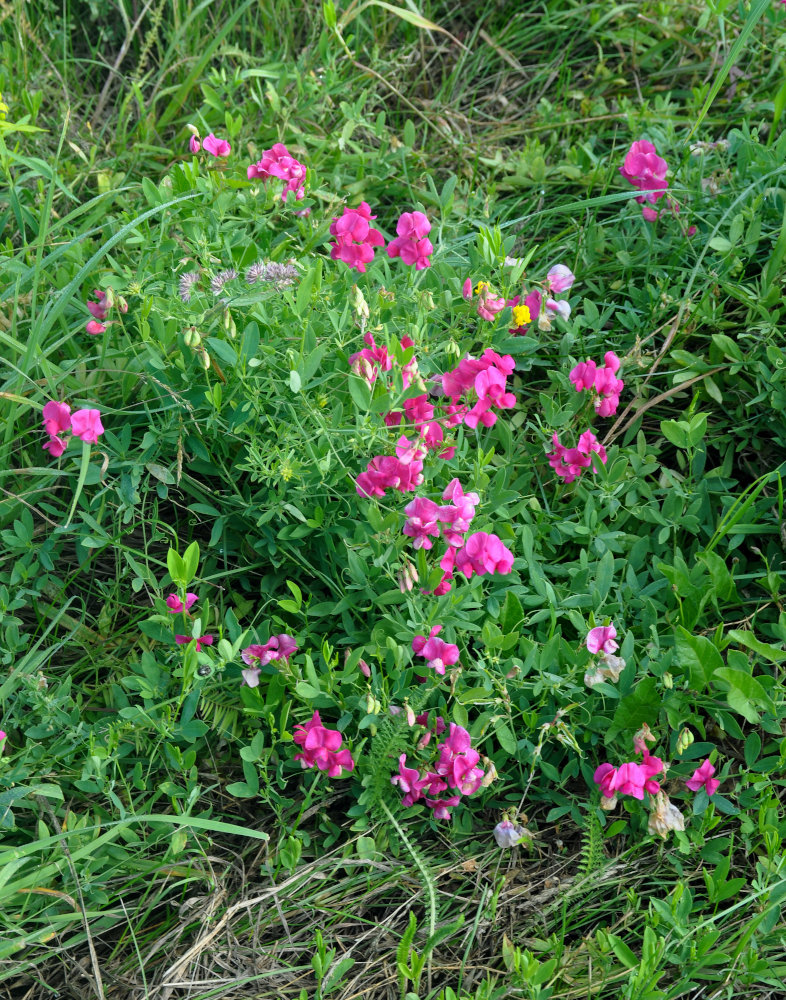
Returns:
(480,286)
(521,315)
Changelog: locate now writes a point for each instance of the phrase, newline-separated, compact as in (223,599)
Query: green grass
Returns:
(105,888)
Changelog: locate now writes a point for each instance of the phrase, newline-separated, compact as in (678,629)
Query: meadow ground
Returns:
(209,389)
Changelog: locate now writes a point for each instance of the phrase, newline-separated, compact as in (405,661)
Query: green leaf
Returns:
(623,952)
(675,431)
(360,393)
(774,654)
(190,562)
(176,567)
(698,656)
(505,736)
(311,282)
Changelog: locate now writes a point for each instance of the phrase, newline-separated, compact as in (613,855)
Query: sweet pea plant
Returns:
(419,543)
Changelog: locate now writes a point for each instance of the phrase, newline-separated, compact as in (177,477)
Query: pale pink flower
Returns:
(703,777)
(216,147)
(560,278)
(601,639)
(86,425)
(507,834)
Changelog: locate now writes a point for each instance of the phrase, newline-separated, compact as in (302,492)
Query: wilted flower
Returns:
(665,816)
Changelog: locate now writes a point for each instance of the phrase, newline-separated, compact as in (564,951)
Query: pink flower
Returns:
(569,463)
(203,640)
(55,446)
(703,776)
(442,807)
(93,327)
(409,781)
(484,553)
(583,375)
(57,418)
(216,147)
(355,239)
(402,472)
(322,747)
(175,605)
(86,425)
(560,278)
(411,244)
(601,639)
(422,515)
(490,386)
(278,647)
(507,834)
(99,309)
(370,360)
(279,162)
(438,653)
(194,144)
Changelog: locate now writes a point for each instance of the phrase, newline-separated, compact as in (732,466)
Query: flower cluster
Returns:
(485,378)
(100,309)
(541,306)
(58,419)
(279,162)
(569,463)
(355,239)
(456,769)
(437,653)
(371,360)
(602,381)
(424,517)
(402,471)
(489,303)
(411,244)
(322,747)
(637,779)
(256,656)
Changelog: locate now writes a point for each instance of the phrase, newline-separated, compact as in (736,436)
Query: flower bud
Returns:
(229,324)
(204,358)
(110,300)
(122,305)
(192,129)
(359,304)
(410,715)
(684,740)
(668,680)
(407,577)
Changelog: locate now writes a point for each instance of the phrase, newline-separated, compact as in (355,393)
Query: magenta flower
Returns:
(583,375)
(57,418)
(355,239)
(484,553)
(55,446)
(86,425)
(442,807)
(216,147)
(401,472)
(703,777)
(99,309)
(175,605)
(279,162)
(569,463)
(93,327)
(422,522)
(411,244)
(601,639)
(439,654)
(203,640)
(194,144)
(409,781)
(322,747)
